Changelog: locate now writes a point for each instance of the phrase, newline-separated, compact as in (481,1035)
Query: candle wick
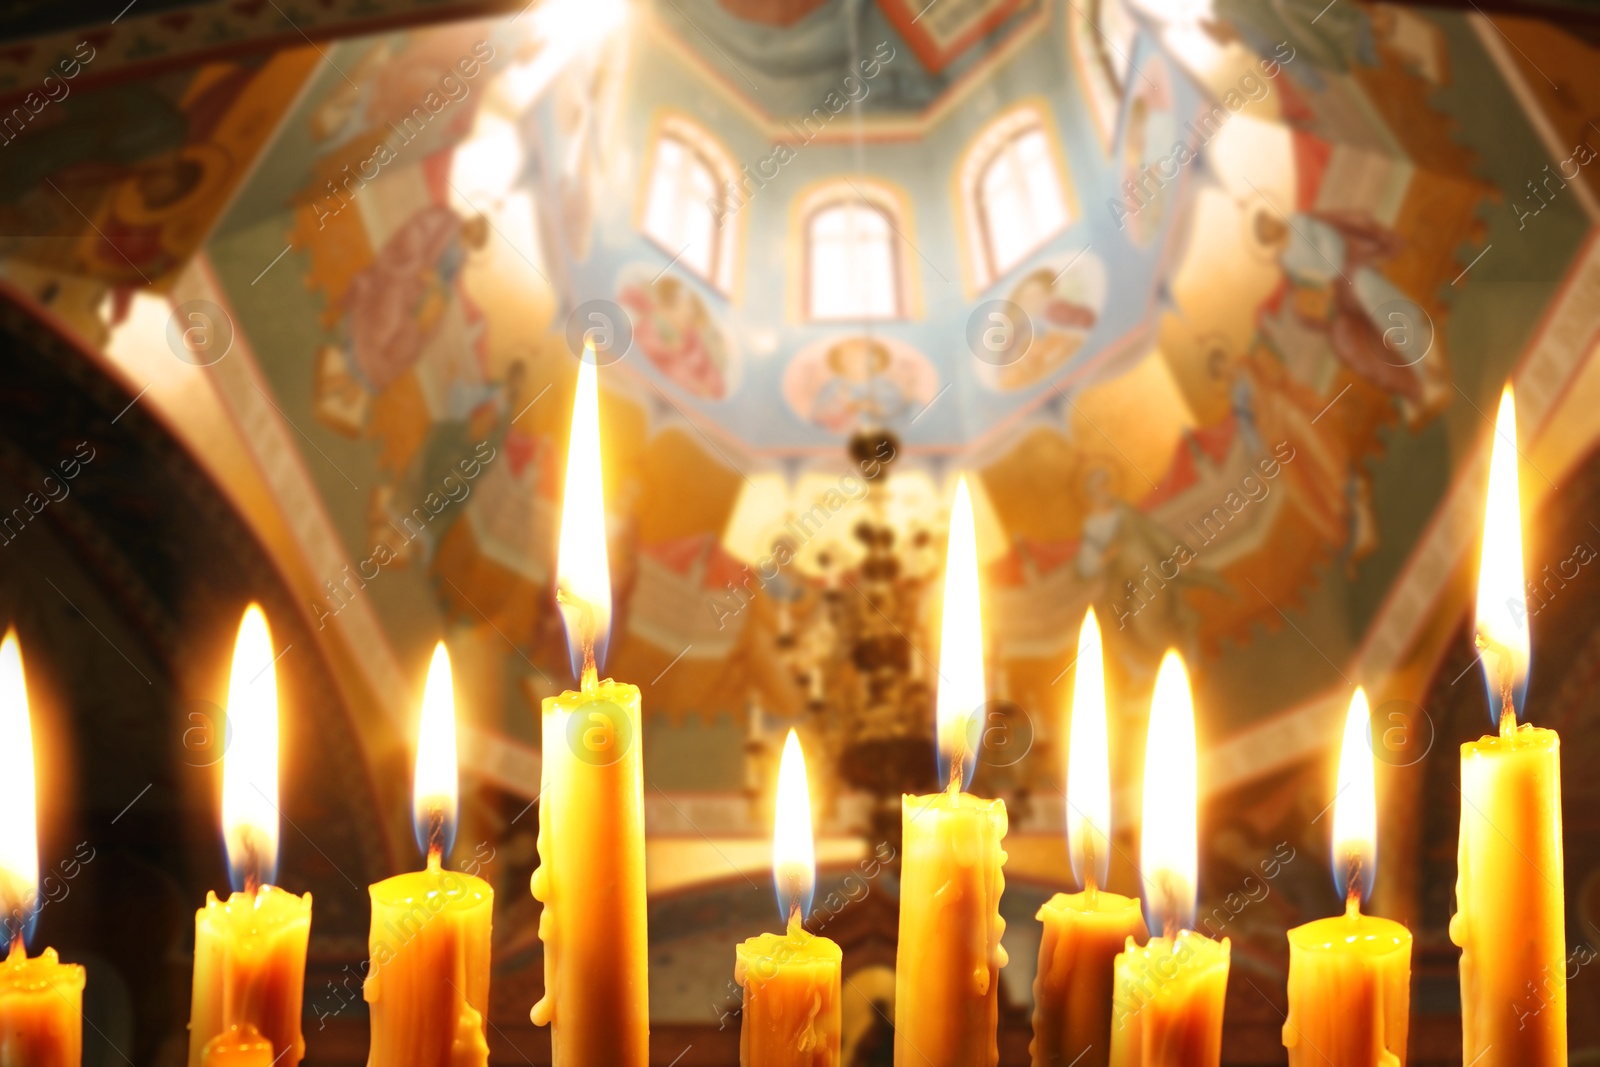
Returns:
(589,677)
(1091,888)
(435,837)
(1352,883)
(252,865)
(1503,682)
(795,921)
(1166,896)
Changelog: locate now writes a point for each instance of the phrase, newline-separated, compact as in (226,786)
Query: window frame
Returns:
(700,146)
(849,194)
(989,149)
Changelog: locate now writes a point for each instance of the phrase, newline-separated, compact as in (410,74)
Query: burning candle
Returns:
(428,984)
(791,980)
(1350,976)
(250,951)
(947,974)
(1510,920)
(41,999)
(591,810)
(1167,1004)
(1083,932)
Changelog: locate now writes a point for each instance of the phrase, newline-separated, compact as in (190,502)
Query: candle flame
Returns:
(583,574)
(1502,626)
(434,791)
(961,692)
(1168,849)
(19,834)
(1355,806)
(250,763)
(794,858)
(1089,763)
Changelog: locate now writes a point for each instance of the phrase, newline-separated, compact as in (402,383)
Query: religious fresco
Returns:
(842,384)
(408,358)
(123,184)
(1062,300)
(1244,471)
(676,332)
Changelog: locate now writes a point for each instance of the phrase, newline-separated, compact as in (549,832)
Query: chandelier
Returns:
(858,646)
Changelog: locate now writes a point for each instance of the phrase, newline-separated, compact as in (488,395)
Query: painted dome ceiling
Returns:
(972,313)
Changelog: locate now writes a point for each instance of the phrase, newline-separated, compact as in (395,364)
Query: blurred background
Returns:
(1242,275)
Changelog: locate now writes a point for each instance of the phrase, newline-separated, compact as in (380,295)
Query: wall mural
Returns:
(1222,472)
(123,184)
(675,331)
(842,384)
(1063,299)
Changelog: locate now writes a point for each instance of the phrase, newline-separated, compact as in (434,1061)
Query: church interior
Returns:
(1209,305)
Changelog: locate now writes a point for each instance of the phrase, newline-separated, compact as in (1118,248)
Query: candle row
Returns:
(1106,992)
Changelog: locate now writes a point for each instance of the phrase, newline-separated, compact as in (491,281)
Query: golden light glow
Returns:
(1168,847)
(1089,762)
(1502,603)
(961,690)
(1355,805)
(434,790)
(794,858)
(250,762)
(583,573)
(19,835)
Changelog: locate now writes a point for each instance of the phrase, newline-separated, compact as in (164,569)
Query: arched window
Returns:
(853,268)
(688,209)
(1014,190)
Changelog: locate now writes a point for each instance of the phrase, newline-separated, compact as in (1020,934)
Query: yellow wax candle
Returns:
(947,970)
(591,808)
(1083,932)
(41,1010)
(428,982)
(1349,992)
(791,1015)
(249,970)
(591,879)
(1167,1003)
(428,987)
(250,950)
(41,999)
(1072,992)
(1350,976)
(1510,914)
(1510,919)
